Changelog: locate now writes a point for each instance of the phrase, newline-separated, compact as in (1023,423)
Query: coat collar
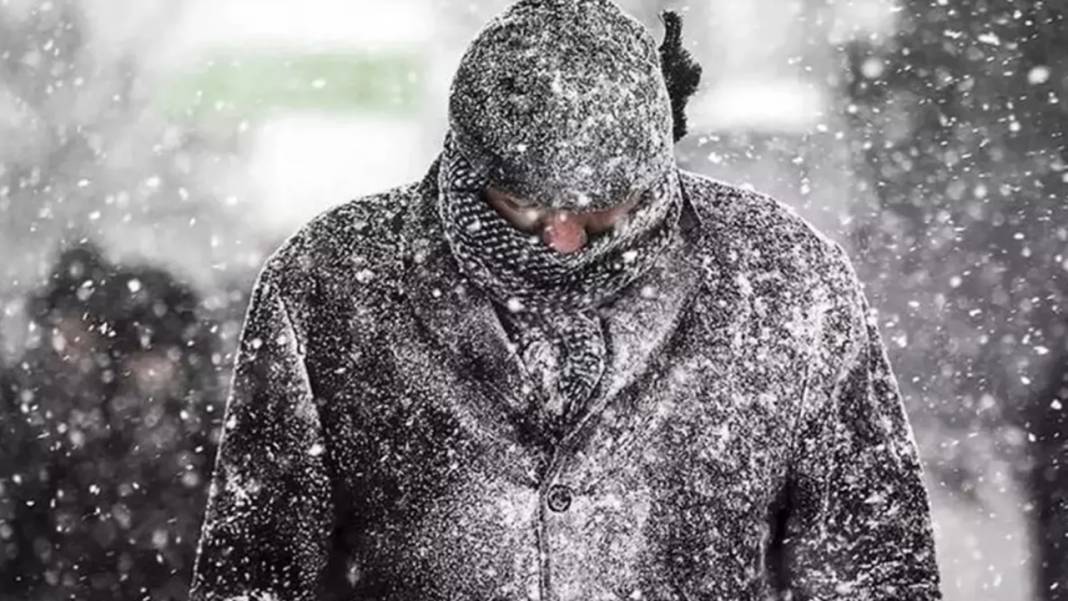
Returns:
(463,320)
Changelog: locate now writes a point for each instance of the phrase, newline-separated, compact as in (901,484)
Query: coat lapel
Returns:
(462,321)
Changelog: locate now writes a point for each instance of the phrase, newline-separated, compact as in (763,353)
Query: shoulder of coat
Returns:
(749,235)
(358,242)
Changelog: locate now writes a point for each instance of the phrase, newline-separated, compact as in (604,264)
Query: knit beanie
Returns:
(565,104)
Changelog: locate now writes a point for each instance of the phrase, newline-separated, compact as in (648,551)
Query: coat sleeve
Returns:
(858,525)
(269,513)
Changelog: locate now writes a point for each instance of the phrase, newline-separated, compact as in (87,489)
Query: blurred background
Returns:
(152,154)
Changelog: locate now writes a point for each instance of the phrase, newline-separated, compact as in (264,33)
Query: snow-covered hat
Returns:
(564,103)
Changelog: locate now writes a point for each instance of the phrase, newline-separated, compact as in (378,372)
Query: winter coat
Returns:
(748,437)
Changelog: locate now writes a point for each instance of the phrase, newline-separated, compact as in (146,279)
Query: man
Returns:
(561,368)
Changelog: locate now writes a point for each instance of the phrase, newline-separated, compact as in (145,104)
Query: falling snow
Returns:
(350,414)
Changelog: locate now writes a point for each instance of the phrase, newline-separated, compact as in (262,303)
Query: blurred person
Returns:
(110,408)
(560,367)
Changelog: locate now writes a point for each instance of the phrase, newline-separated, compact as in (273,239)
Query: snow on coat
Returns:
(748,435)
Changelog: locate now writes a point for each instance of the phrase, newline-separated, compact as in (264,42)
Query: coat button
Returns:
(559,497)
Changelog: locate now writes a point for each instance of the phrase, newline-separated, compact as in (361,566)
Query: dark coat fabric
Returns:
(747,440)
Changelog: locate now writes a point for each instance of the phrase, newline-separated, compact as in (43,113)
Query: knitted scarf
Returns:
(550,299)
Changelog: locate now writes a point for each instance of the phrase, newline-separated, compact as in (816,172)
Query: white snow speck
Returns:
(1038,75)
(514,305)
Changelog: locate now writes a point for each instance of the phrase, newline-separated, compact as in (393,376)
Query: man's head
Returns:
(563,117)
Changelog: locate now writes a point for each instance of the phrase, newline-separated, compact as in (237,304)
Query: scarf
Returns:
(548,299)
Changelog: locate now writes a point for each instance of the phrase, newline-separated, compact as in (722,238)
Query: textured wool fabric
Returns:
(564,104)
(747,440)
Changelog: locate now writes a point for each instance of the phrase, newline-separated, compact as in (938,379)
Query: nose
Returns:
(563,232)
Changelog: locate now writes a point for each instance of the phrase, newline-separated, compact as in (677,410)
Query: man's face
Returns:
(564,231)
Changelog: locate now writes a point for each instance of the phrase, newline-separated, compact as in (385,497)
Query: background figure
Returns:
(107,436)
